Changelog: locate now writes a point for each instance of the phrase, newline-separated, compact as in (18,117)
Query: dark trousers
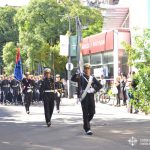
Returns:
(36,95)
(57,99)
(15,94)
(5,92)
(124,97)
(118,98)
(27,100)
(88,109)
(48,105)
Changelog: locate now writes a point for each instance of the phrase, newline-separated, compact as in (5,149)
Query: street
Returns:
(113,129)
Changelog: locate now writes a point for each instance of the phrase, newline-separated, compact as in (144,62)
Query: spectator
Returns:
(118,86)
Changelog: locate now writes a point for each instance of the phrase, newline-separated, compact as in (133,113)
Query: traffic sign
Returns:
(69,66)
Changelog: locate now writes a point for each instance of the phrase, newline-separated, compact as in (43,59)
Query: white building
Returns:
(120,18)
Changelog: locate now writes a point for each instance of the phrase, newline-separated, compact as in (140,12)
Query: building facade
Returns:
(106,53)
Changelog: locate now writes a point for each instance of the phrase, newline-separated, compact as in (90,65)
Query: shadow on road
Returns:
(66,132)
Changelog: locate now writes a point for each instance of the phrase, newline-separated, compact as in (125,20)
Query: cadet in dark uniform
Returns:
(15,86)
(88,86)
(47,90)
(27,89)
(5,86)
(59,89)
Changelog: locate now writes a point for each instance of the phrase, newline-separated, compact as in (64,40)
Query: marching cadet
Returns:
(15,86)
(59,89)
(88,86)
(47,92)
(27,89)
(5,86)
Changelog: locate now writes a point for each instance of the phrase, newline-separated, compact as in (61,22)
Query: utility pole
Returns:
(69,60)
(69,52)
(79,39)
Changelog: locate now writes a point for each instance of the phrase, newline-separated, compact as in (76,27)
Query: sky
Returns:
(13,2)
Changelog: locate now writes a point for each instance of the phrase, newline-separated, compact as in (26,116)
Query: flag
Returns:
(18,66)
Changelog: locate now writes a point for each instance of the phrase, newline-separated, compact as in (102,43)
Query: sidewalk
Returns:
(110,105)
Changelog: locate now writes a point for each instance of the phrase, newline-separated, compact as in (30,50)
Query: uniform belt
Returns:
(49,91)
(15,86)
(5,86)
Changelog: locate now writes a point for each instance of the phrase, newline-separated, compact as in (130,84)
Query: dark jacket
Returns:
(27,84)
(47,84)
(82,83)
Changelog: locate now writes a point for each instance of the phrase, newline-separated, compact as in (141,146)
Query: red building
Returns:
(105,52)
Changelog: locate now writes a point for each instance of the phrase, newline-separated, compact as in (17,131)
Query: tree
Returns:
(139,57)
(9,55)
(8,28)
(42,21)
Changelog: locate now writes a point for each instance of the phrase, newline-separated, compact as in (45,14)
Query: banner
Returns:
(18,66)
(64,45)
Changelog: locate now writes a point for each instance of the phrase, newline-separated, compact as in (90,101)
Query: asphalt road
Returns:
(113,127)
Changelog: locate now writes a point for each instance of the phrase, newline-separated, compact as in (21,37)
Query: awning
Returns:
(97,43)
(114,16)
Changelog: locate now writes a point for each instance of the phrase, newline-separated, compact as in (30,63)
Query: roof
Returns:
(114,16)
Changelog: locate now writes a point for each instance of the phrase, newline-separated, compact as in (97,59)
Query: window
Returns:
(86,59)
(96,59)
(107,57)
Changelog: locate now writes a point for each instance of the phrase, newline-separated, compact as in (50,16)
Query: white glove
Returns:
(92,90)
(78,71)
(62,94)
(58,94)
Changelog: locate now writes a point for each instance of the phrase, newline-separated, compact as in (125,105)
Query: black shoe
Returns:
(48,124)
(28,112)
(136,112)
(124,104)
(89,132)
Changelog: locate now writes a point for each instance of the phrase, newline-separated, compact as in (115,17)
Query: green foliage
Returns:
(143,88)
(42,21)
(139,57)
(38,27)
(8,28)
(9,55)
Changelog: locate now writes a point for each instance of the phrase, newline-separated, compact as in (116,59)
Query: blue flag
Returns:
(18,67)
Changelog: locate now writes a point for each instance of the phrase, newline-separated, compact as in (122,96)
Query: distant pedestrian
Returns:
(134,85)
(118,86)
(123,88)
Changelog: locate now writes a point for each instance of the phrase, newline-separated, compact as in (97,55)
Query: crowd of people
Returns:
(14,92)
(11,90)
(125,85)
(48,88)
